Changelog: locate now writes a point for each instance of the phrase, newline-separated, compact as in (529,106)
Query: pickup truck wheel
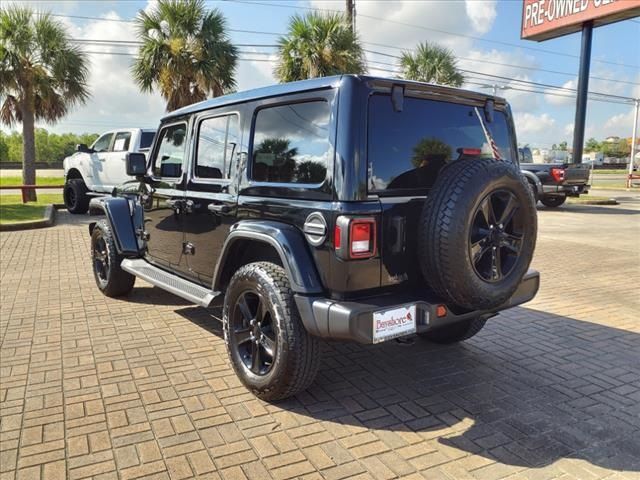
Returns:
(477,233)
(269,348)
(75,196)
(456,332)
(553,201)
(110,278)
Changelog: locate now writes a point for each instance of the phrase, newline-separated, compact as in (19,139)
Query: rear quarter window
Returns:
(406,150)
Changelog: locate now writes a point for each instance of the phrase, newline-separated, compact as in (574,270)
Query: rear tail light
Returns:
(557,174)
(355,238)
(472,152)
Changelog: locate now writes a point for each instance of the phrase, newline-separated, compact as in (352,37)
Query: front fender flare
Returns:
(124,217)
(533,179)
(290,245)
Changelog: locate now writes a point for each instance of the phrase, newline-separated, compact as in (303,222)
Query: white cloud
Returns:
(527,123)
(568,129)
(620,125)
(559,97)
(482,14)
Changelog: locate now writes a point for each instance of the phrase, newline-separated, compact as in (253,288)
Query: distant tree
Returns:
(431,63)
(310,171)
(592,145)
(42,76)
(4,148)
(186,53)
(50,147)
(563,146)
(318,45)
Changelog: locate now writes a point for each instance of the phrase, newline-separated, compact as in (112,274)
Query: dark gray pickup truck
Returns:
(554,182)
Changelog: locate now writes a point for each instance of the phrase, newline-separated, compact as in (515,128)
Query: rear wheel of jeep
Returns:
(75,196)
(456,332)
(110,278)
(477,233)
(269,348)
(553,201)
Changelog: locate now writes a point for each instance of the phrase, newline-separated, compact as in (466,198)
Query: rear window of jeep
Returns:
(407,149)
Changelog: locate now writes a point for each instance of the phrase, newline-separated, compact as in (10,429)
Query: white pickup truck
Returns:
(101,167)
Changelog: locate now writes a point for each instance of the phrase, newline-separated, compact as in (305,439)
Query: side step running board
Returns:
(167,281)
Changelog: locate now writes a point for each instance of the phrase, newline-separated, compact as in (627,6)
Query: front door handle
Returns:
(218,208)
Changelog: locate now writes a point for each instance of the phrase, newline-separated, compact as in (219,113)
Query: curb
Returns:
(48,220)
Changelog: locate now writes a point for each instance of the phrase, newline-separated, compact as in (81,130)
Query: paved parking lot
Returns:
(104,388)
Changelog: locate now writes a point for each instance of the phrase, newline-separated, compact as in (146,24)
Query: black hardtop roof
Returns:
(317,84)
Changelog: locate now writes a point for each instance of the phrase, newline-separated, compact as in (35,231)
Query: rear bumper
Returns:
(568,190)
(354,320)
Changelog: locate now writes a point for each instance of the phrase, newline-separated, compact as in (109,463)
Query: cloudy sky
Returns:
(483,34)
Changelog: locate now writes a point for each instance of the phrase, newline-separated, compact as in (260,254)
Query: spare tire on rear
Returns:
(477,233)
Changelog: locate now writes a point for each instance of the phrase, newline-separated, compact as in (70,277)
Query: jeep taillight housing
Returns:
(355,237)
(557,174)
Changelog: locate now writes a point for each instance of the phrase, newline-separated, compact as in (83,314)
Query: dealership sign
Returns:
(545,19)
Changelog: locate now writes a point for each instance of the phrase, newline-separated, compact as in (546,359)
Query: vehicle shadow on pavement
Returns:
(530,389)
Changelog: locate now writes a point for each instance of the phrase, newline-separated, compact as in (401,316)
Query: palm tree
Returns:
(42,76)
(185,53)
(318,45)
(431,63)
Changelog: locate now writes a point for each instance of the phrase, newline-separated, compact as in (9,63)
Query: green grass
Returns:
(615,171)
(587,199)
(13,181)
(12,210)
(15,213)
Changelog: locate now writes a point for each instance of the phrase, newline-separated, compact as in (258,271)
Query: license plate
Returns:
(388,324)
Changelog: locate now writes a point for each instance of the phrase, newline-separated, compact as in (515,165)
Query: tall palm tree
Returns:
(318,45)
(185,53)
(42,76)
(431,63)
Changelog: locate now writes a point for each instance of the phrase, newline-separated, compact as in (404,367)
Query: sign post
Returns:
(546,19)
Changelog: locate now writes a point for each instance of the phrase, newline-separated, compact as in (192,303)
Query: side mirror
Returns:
(82,148)
(136,164)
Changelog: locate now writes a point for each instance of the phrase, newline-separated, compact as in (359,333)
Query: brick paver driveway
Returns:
(141,387)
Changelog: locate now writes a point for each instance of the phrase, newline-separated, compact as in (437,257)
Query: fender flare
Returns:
(287,241)
(124,216)
(533,179)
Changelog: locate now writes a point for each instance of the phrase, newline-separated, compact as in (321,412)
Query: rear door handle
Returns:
(218,208)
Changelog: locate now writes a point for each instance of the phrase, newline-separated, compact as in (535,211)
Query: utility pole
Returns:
(351,13)
(634,136)
(583,87)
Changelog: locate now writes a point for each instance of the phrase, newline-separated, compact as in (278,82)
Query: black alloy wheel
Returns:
(70,198)
(100,256)
(252,332)
(496,235)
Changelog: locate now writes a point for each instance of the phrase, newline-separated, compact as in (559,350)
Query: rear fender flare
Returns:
(290,245)
(125,217)
(534,181)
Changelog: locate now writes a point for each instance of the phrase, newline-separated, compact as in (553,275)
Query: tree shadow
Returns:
(530,389)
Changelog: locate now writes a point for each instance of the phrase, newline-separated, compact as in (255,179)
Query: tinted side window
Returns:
(291,143)
(407,149)
(170,153)
(146,139)
(103,143)
(217,142)
(121,144)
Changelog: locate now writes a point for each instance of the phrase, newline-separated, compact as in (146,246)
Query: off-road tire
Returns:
(553,201)
(116,282)
(445,230)
(456,332)
(75,196)
(297,357)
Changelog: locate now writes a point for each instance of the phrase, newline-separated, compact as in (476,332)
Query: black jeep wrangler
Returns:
(351,208)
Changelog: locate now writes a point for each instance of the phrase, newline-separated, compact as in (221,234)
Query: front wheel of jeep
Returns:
(111,279)
(456,332)
(269,348)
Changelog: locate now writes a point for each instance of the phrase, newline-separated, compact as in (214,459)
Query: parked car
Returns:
(557,181)
(351,208)
(101,167)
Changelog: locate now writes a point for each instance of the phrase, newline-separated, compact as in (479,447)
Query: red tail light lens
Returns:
(472,151)
(354,238)
(557,174)
(362,238)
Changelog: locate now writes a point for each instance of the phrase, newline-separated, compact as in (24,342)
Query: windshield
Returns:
(407,149)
